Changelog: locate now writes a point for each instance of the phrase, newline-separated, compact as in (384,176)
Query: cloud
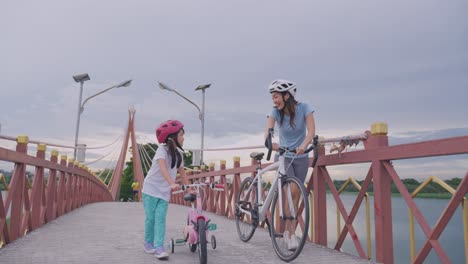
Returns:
(400,62)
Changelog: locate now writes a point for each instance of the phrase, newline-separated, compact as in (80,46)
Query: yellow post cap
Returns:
(203,167)
(71,160)
(76,162)
(321,138)
(379,128)
(54,153)
(212,165)
(41,147)
(22,139)
(236,158)
(63,157)
(222,162)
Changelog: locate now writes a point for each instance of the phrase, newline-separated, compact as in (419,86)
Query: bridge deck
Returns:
(113,233)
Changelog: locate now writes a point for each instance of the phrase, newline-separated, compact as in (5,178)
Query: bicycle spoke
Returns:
(245,223)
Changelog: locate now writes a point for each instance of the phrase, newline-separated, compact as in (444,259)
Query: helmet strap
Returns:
(174,140)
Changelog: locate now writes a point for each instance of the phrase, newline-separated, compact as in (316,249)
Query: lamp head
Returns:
(164,87)
(203,87)
(124,84)
(81,77)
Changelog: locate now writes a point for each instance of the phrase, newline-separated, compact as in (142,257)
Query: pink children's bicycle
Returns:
(198,225)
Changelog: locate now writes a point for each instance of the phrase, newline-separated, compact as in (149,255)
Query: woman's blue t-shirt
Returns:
(293,137)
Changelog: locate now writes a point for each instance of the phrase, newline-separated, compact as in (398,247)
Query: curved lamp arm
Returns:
(165,87)
(123,84)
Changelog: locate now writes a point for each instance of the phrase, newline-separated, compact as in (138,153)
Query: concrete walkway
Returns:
(114,232)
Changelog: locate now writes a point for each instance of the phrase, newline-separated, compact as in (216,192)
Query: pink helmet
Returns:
(167,128)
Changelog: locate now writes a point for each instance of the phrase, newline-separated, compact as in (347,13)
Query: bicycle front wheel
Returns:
(202,251)
(245,210)
(290,223)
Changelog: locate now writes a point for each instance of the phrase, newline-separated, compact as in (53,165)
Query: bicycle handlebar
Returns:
(269,145)
(213,186)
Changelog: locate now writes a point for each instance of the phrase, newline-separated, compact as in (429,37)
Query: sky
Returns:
(355,62)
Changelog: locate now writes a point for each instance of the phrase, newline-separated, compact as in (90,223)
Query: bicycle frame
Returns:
(193,215)
(264,205)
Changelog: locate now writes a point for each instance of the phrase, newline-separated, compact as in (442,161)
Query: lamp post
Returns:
(81,79)
(201,112)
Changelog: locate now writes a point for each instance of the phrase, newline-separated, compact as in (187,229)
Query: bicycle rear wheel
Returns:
(289,230)
(246,200)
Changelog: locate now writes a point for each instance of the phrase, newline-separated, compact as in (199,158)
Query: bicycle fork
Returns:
(289,198)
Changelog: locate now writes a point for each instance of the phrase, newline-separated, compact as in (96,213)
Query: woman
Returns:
(296,131)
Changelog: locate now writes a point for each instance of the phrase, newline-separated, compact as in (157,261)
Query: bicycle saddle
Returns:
(257,155)
(190,197)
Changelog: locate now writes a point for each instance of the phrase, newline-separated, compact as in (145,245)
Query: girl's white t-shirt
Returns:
(155,184)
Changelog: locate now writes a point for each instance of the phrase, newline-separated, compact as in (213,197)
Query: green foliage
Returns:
(267,186)
(126,183)
(454,182)
(105,175)
(7,175)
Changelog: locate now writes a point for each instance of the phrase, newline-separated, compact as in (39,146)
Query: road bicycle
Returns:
(284,209)
(198,225)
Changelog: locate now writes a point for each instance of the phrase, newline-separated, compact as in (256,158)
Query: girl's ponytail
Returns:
(175,154)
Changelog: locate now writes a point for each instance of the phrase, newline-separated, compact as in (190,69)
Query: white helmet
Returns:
(281,86)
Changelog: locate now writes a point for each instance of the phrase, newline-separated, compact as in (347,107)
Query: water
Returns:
(451,239)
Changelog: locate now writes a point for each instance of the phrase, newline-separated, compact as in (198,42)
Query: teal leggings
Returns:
(155,221)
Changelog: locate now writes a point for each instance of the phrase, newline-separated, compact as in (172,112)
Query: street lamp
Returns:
(201,113)
(81,79)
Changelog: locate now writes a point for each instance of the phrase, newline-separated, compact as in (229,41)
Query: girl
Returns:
(294,120)
(159,182)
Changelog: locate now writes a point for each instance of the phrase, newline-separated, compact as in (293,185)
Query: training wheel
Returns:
(213,241)
(171,245)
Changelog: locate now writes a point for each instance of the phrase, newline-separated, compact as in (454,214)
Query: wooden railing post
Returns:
(16,191)
(80,191)
(382,196)
(38,190)
(320,202)
(205,193)
(68,187)
(51,189)
(211,205)
(236,181)
(61,188)
(74,188)
(222,180)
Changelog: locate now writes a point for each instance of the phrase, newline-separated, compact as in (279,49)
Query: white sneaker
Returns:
(293,243)
(161,253)
(148,247)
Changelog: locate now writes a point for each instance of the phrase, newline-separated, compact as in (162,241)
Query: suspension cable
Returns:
(143,163)
(57,145)
(104,156)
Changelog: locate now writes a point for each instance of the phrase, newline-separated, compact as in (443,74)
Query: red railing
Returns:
(67,187)
(381,173)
